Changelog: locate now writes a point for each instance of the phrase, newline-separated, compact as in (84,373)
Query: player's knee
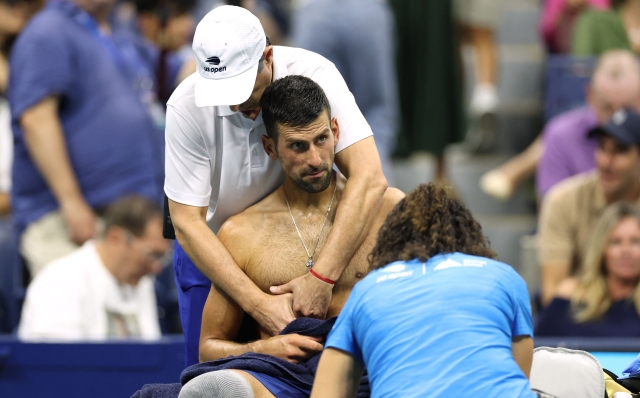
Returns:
(220,384)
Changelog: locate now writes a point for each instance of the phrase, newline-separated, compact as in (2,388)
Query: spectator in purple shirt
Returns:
(567,149)
(563,149)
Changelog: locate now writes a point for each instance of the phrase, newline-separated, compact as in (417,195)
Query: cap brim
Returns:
(612,131)
(230,91)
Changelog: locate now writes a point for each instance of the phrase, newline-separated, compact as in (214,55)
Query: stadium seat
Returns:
(567,78)
(567,373)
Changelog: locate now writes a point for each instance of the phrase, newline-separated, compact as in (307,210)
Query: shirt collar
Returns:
(279,66)
(224,110)
(279,71)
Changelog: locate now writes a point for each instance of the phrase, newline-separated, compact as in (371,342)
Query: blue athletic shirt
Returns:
(113,145)
(438,329)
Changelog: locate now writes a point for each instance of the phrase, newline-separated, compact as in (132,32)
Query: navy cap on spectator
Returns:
(624,126)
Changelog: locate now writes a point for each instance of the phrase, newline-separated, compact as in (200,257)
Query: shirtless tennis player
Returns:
(275,240)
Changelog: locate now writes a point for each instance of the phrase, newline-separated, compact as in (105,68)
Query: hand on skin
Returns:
(274,313)
(293,348)
(81,220)
(311,296)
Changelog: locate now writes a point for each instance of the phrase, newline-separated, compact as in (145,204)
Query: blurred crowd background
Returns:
(494,96)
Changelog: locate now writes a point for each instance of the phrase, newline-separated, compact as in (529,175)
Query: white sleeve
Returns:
(187,164)
(353,125)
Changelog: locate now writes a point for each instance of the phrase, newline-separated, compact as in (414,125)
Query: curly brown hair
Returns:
(427,222)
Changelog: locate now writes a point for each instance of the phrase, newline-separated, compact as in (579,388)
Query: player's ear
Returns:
(269,147)
(335,129)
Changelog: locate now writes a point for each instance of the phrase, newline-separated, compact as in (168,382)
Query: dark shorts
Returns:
(281,388)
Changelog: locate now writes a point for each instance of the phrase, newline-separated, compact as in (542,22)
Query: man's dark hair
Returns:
(427,222)
(292,101)
(131,213)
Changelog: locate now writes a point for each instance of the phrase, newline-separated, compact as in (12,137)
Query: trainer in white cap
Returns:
(228,45)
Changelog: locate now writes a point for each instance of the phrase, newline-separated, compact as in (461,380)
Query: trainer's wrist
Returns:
(253,303)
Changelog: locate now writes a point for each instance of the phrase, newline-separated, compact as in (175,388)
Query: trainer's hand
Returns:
(81,220)
(294,348)
(311,296)
(274,313)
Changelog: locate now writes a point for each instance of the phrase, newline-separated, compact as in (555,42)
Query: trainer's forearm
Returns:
(214,260)
(213,349)
(361,199)
(47,147)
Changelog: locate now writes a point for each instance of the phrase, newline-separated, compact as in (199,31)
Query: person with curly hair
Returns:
(437,315)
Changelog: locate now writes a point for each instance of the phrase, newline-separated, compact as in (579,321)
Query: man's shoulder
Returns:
(571,191)
(299,61)
(247,222)
(574,187)
(65,272)
(575,121)
(184,95)
(390,199)
(47,25)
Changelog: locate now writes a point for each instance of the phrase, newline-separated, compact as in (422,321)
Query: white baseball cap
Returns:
(228,44)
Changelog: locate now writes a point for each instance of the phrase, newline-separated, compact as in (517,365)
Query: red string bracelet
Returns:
(323,279)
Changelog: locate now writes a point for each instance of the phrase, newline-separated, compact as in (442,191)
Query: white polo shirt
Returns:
(214,157)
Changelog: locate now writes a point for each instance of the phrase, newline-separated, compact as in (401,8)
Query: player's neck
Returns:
(301,200)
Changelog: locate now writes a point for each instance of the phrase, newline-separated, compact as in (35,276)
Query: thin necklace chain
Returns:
(310,263)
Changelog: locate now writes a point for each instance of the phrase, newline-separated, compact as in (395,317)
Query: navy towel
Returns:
(300,373)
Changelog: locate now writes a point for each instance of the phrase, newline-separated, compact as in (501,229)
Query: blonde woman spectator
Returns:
(605,299)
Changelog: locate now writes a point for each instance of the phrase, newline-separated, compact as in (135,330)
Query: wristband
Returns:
(327,280)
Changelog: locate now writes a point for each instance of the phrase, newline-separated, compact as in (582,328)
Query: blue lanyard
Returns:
(125,55)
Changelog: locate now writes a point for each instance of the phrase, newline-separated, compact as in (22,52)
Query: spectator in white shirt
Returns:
(105,288)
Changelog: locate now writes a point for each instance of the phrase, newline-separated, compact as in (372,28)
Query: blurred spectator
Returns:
(103,289)
(204,6)
(13,17)
(557,20)
(273,15)
(563,149)
(168,25)
(478,19)
(86,124)
(429,78)
(572,208)
(605,299)
(358,37)
(598,31)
